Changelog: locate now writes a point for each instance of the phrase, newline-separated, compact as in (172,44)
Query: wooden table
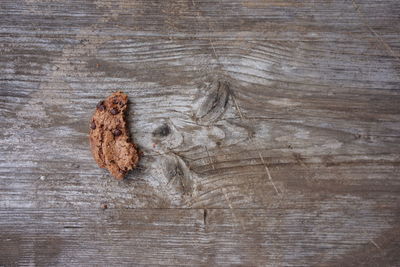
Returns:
(270,131)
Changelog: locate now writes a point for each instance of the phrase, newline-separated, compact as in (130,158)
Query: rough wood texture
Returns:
(270,132)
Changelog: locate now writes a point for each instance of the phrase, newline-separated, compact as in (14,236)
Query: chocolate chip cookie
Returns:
(109,136)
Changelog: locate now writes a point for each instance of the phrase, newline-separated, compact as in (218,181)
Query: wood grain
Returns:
(175,236)
(270,132)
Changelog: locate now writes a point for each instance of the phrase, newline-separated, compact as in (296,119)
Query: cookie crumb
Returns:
(109,140)
(104,206)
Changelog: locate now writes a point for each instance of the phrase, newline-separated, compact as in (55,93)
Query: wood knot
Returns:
(178,174)
(162,131)
(212,105)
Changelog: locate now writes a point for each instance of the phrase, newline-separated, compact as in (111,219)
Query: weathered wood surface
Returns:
(270,132)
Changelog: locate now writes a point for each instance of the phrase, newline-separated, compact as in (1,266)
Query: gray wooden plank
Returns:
(222,237)
(315,131)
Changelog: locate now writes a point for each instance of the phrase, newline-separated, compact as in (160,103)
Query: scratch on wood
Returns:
(377,36)
(268,173)
(212,46)
(232,209)
(209,158)
(237,107)
(374,243)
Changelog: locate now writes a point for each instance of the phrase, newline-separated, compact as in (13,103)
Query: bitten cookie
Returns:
(109,136)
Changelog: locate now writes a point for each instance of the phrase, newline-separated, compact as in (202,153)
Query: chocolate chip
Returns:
(100,106)
(93,125)
(123,172)
(117,132)
(115,101)
(114,111)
